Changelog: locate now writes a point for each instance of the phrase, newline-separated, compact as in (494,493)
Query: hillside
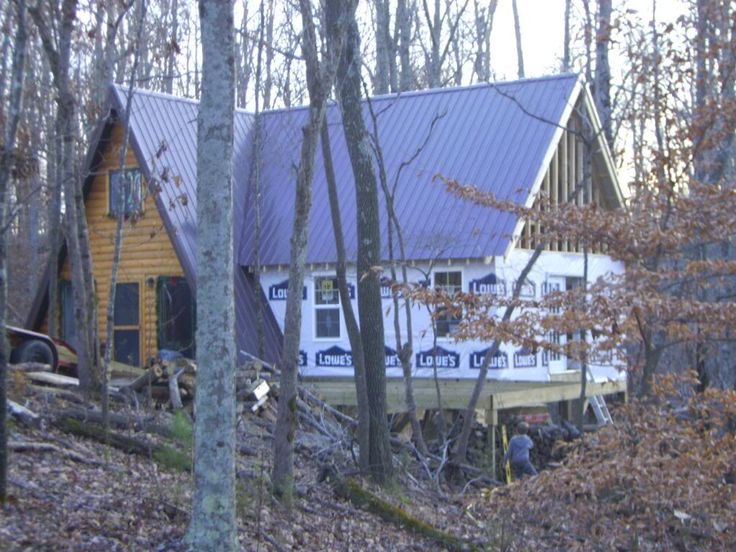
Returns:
(662,478)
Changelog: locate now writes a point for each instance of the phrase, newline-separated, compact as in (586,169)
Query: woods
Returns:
(300,187)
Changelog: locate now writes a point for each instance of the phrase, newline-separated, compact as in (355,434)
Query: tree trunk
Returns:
(9,134)
(118,241)
(517,32)
(403,22)
(461,447)
(356,342)
(283,445)
(368,235)
(172,48)
(566,39)
(384,48)
(213,523)
(602,87)
(58,53)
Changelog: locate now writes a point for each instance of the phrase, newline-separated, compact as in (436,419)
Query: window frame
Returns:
(134,212)
(326,306)
(449,335)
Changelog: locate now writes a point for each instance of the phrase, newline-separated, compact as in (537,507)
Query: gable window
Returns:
(126,324)
(125,192)
(326,308)
(451,282)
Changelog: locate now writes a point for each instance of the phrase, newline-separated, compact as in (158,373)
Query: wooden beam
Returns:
(455,392)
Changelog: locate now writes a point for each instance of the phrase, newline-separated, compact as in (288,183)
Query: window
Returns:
(126,324)
(176,315)
(326,307)
(451,282)
(125,192)
(68,325)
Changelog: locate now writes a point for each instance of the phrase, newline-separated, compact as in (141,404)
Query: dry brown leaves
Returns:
(662,478)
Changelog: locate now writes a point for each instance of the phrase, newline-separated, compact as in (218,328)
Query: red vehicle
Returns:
(28,346)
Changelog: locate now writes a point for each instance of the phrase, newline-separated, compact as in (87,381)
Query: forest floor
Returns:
(662,478)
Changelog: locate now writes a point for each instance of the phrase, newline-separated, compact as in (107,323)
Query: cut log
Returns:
(119,421)
(147,378)
(57,380)
(30,367)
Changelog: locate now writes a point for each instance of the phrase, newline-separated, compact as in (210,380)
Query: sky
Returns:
(542,31)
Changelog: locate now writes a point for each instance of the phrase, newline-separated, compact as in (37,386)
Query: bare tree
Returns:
(602,88)
(385,51)
(121,201)
(56,37)
(213,524)
(319,84)
(483,28)
(351,323)
(342,14)
(517,32)
(436,52)
(6,163)
(566,38)
(404,19)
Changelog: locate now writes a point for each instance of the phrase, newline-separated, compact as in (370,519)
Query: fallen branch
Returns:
(174,394)
(28,446)
(23,415)
(351,490)
(166,455)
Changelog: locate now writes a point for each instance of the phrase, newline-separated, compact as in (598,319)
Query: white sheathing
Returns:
(331,357)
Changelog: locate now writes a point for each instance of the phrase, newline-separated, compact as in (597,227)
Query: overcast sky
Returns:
(542,30)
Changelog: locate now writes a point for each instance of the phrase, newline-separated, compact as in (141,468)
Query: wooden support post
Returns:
(492,423)
(565,178)
(566,410)
(555,185)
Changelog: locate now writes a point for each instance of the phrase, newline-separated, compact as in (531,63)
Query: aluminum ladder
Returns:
(599,406)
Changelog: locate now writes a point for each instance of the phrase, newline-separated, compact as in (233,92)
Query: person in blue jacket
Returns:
(518,452)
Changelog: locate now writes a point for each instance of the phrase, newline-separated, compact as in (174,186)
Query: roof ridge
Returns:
(381,97)
(170,97)
(441,90)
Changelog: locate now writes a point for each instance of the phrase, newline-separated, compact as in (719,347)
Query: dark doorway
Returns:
(176,315)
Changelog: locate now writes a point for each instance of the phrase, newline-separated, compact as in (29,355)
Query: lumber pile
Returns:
(170,382)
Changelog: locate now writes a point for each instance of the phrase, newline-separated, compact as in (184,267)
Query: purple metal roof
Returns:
(164,136)
(494,136)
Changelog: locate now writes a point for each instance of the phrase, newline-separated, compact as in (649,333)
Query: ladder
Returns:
(599,406)
(600,409)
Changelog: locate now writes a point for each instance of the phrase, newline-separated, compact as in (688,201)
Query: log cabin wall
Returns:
(147,252)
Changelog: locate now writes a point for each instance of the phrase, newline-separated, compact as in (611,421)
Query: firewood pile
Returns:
(549,441)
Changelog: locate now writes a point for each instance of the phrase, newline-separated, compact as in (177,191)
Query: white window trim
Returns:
(446,338)
(316,307)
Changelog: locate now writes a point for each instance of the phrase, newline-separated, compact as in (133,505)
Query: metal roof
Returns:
(494,136)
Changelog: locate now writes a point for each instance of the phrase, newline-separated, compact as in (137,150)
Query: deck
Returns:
(497,395)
